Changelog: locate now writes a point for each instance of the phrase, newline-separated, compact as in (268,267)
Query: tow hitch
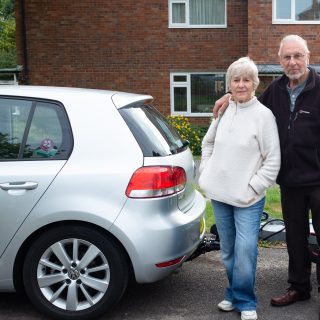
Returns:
(210,242)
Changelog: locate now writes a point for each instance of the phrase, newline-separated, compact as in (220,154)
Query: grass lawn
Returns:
(272,207)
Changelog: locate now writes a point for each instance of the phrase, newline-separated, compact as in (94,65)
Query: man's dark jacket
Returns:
(299,131)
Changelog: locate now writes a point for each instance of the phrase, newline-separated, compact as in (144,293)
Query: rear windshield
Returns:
(156,137)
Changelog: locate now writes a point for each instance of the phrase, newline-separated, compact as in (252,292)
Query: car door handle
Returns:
(18,185)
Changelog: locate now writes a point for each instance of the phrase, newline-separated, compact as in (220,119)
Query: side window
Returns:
(13,119)
(33,131)
(45,136)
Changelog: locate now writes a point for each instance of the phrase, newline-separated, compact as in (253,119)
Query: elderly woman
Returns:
(240,160)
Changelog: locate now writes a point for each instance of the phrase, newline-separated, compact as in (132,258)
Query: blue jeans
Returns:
(238,230)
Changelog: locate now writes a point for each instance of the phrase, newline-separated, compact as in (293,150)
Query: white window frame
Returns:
(187,85)
(292,19)
(13,81)
(187,23)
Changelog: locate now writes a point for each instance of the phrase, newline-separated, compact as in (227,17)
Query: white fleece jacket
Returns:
(240,154)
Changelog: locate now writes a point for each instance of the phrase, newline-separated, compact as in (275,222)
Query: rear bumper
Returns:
(156,231)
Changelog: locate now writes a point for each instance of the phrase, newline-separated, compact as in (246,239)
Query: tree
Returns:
(7,8)
(7,34)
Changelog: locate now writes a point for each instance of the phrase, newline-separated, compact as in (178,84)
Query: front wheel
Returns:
(75,273)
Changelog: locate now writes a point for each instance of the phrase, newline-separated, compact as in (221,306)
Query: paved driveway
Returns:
(192,294)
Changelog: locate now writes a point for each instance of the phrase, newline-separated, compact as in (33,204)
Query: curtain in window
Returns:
(178,13)
(204,12)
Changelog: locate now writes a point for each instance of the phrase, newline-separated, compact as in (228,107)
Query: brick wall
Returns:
(123,45)
(126,45)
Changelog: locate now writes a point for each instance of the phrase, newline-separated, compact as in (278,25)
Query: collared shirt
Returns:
(293,93)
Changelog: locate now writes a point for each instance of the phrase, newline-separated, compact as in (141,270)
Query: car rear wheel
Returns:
(75,272)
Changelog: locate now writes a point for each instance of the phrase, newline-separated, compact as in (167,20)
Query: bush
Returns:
(189,131)
(7,35)
(8,59)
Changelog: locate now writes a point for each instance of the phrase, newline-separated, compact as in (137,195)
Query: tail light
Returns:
(156,181)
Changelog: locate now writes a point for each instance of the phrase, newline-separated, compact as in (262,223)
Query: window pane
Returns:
(178,13)
(44,135)
(204,12)
(180,78)
(155,135)
(180,99)
(205,90)
(48,137)
(283,9)
(307,10)
(13,119)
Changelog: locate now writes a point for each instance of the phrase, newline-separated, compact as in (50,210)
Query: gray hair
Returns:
(295,38)
(243,67)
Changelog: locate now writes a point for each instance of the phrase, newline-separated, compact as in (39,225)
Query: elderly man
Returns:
(294,100)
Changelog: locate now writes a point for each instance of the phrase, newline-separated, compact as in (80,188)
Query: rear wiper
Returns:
(185,144)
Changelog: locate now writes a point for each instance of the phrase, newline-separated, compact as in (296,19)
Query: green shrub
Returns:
(8,59)
(189,131)
(7,35)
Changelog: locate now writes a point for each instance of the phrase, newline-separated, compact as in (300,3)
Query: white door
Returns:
(34,146)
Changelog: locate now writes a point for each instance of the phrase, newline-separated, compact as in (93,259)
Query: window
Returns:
(197,14)
(155,136)
(296,11)
(195,93)
(32,130)
(8,77)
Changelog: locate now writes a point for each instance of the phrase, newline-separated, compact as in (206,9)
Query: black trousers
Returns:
(297,203)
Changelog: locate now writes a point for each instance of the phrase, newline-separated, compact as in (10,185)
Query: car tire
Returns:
(75,272)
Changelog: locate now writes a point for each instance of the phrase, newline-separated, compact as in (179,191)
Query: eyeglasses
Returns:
(296,57)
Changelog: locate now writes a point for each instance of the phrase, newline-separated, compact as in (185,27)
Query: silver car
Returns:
(95,187)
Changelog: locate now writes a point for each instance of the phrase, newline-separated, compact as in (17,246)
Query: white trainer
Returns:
(249,315)
(225,305)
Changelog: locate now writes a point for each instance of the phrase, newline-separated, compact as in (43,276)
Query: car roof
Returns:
(119,98)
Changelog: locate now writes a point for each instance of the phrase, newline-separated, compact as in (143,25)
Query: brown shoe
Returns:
(291,296)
